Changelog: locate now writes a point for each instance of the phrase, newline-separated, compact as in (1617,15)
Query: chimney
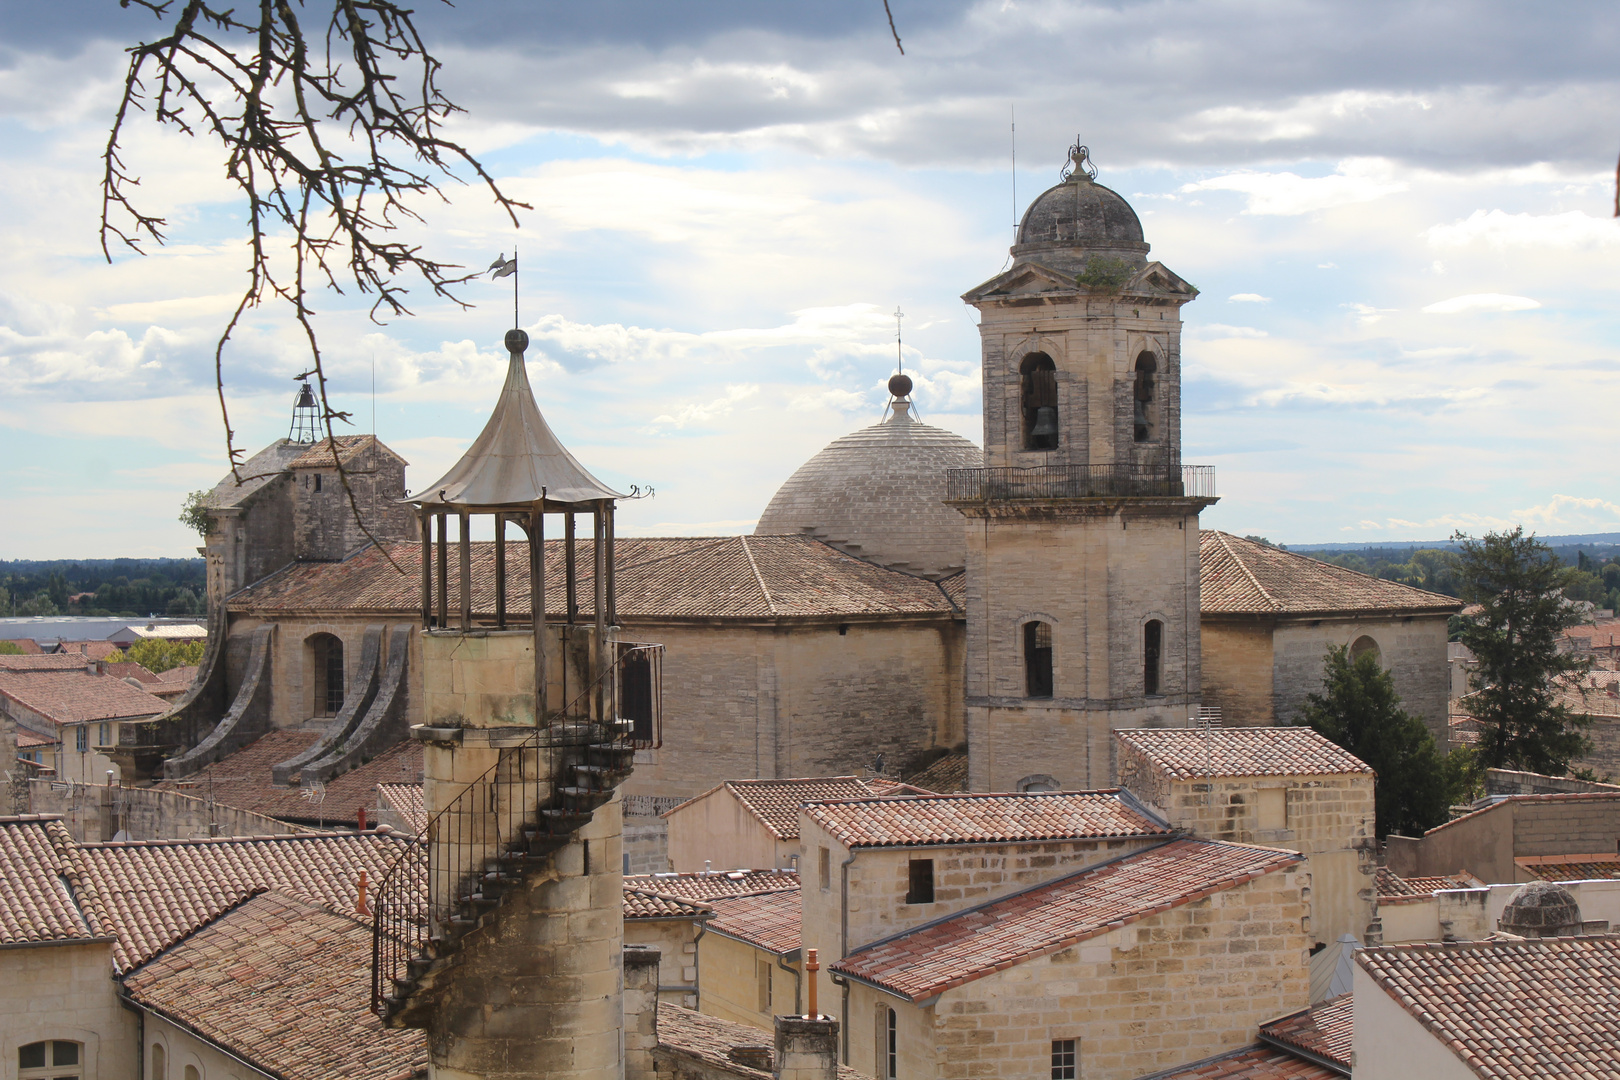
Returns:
(806,1048)
(640,1010)
(362,816)
(360,905)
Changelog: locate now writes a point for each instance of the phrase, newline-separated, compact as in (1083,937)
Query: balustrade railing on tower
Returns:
(1080,482)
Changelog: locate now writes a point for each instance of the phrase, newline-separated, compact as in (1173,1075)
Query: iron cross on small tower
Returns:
(899,358)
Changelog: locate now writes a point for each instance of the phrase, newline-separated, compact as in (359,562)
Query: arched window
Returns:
(192,1072)
(1037,659)
(328,671)
(1364,645)
(160,1062)
(56,1059)
(1038,398)
(1152,655)
(1146,394)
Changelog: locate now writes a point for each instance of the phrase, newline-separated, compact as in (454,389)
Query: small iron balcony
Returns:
(1080,482)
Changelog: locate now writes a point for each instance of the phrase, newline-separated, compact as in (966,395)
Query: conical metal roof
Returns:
(516,459)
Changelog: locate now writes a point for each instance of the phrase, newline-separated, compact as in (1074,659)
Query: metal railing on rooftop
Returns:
(1006,484)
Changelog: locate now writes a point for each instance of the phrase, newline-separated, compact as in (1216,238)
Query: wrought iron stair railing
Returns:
(507,823)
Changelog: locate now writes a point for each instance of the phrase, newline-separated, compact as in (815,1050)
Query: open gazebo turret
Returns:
(517,471)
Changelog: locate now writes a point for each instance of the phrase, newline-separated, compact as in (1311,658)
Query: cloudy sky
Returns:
(1398,215)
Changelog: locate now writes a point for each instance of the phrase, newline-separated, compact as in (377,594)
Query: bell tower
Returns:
(1082,529)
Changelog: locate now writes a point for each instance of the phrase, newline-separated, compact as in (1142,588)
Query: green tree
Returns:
(194,513)
(1359,709)
(158,654)
(38,604)
(10,648)
(1514,585)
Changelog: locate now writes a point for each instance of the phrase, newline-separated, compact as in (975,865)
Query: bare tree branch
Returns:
(286,107)
(892,30)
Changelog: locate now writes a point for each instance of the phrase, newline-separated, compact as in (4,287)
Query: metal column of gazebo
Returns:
(518,471)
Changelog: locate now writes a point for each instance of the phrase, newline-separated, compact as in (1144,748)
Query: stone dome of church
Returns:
(877,494)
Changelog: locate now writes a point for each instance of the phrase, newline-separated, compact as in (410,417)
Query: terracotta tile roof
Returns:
(955,589)
(956,950)
(27,645)
(769,921)
(984,819)
(27,739)
(713,886)
(44,662)
(184,675)
(35,872)
(1536,1008)
(407,801)
(257,473)
(152,893)
(948,774)
(775,803)
(320,455)
(1325,1030)
(643,904)
(1188,753)
(75,696)
(1392,886)
(243,780)
(1241,577)
(707,1039)
(129,669)
(284,985)
(703,577)
(1251,1063)
(1569,867)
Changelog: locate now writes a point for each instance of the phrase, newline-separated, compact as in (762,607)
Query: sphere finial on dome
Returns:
(900,385)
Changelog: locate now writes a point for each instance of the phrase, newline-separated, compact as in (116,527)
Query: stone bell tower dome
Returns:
(1082,537)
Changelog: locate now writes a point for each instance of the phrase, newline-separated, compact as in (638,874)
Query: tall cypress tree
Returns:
(1516,582)
(1359,710)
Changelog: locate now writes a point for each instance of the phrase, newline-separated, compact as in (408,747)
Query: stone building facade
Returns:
(1270,616)
(1282,787)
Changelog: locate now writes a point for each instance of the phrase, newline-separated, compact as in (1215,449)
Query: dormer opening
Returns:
(1146,395)
(1038,399)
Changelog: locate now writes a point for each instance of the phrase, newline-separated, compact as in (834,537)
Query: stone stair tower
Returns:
(500,931)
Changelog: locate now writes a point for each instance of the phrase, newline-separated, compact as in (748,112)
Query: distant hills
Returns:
(1591,542)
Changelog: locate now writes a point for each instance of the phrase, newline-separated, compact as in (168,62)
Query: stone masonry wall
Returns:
(1329,819)
(1238,670)
(798,700)
(1096,581)
(1178,986)
(292,660)
(92,813)
(1412,649)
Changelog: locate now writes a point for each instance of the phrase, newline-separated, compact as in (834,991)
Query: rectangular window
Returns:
(81,738)
(105,735)
(824,862)
(763,978)
(317,481)
(921,884)
(1272,804)
(1152,647)
(1065,1059)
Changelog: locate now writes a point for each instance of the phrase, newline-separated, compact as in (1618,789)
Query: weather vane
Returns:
(504,267)
(1079,161)
(899,357)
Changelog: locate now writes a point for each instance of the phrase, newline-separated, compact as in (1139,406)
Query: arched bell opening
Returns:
(1038,398)
(1145,395)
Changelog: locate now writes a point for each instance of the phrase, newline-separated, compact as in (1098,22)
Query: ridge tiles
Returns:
(982,819)
(1190,753)
(1238,576)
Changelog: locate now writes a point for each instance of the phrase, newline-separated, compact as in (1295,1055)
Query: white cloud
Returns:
(1289,194)
(1220,330)
(1248,298)
(702,413)
(1474,302)
(1498,229)
(1572,513)
(1366,314)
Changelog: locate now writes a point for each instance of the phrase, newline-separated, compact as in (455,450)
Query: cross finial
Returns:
(899,358)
